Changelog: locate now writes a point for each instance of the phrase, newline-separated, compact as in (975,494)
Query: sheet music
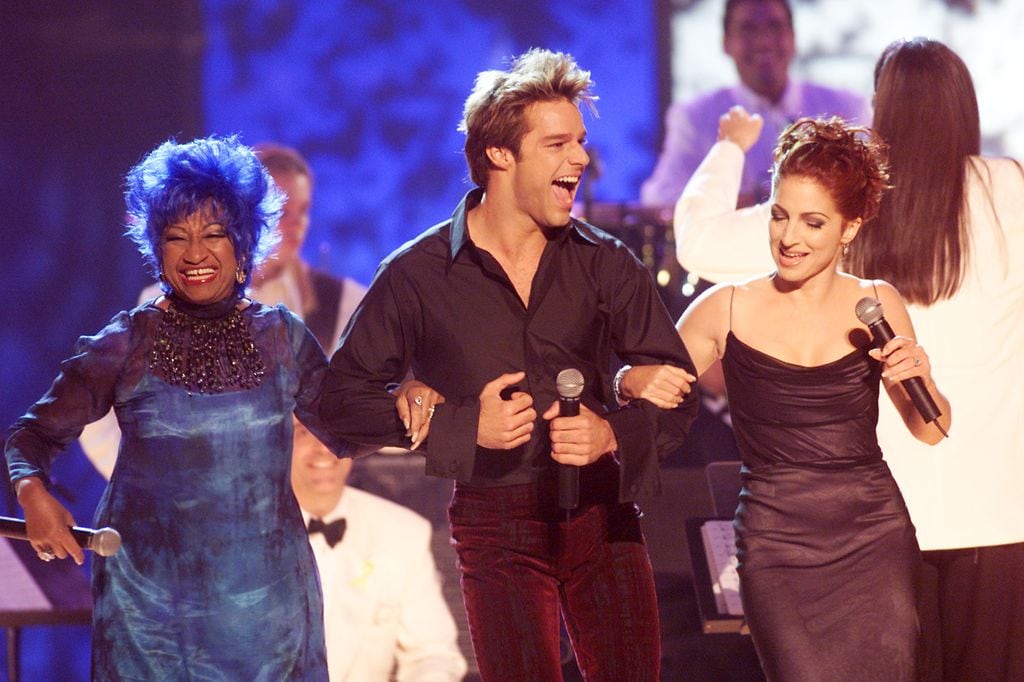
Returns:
(720,550)
(20,593)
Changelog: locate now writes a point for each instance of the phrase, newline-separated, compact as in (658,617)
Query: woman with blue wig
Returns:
(215,578)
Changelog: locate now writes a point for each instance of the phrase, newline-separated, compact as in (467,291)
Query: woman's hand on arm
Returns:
(48,522)
(415,403)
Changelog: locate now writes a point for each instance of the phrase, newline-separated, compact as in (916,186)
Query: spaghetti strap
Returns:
(732,295)
(874,285)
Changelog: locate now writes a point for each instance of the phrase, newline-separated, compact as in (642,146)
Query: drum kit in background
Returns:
(647,231)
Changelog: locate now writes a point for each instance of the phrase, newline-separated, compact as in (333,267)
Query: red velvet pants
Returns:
(522,568)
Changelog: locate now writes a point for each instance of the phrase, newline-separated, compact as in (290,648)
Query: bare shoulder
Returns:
(757,285)
(893,307)
(711,301)
(743,292)
(870,288)
(886,293)
(713,309)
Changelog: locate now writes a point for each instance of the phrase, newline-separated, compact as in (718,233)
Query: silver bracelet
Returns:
(617,385)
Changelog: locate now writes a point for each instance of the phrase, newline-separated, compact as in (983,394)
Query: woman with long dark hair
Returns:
(950,237)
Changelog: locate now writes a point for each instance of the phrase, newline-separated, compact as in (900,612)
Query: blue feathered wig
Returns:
(175,180)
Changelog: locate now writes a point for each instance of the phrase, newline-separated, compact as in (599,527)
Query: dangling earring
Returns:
(846,248)
(240,276)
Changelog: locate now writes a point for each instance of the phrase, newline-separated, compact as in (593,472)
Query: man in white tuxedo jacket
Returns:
(385,615)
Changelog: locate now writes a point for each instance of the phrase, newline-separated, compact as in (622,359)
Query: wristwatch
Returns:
(617,385)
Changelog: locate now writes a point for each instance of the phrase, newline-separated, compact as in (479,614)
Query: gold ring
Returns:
(418,400)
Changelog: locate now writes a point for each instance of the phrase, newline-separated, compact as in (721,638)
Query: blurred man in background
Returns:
(386,617)
(760,40)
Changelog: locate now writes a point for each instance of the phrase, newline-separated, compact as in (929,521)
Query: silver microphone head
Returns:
(569,383)
(869,311)
(105,541)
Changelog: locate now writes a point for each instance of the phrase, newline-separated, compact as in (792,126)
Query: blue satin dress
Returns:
(215,579)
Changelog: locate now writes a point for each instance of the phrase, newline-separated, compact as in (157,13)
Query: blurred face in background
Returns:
(294,223)
(759,38)
(316,472)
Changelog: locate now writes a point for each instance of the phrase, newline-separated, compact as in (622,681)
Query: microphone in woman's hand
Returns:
(104,541)
(869,311)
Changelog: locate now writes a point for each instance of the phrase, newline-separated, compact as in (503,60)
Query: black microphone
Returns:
(869,311)
(569,383)
(105,541)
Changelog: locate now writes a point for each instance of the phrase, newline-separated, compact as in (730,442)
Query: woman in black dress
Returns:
(828,556)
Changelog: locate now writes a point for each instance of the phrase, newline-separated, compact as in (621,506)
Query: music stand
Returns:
(713,618)
(38,593)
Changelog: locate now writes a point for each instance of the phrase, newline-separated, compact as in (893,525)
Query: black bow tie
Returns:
(333,531)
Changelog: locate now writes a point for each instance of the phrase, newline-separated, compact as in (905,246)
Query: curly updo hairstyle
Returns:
(217,173)
(851,162)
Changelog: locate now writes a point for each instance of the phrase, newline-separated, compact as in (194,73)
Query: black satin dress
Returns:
(828,557)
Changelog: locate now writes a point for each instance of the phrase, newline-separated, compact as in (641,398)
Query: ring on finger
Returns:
(418,400)
(47,555)
(430,412)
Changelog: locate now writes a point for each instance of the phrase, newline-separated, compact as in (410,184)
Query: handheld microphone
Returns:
(869,311)
(105,541)
(569,383)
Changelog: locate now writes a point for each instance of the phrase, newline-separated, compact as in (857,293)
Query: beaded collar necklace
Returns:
(206,348)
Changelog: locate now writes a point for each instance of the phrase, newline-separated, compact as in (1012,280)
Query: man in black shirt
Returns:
(487,308)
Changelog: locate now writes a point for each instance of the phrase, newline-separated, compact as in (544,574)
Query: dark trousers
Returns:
(972,614)
(522,568)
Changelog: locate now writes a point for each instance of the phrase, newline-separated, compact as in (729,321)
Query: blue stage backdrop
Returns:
(371,92)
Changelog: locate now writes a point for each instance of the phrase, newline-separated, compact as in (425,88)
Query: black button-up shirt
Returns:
(446,309)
